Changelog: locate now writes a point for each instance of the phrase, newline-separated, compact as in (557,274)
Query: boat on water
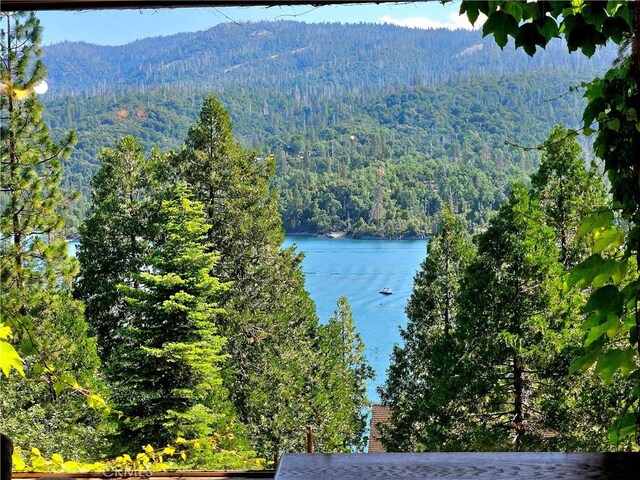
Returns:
(386,291)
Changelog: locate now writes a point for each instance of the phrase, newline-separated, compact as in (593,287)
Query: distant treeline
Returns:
(368,140)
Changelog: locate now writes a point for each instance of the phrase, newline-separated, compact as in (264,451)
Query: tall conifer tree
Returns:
(340,415)
(36,272)
(420,376)
(566,192)
(114,238)
(507,324)
(166,370)
(270,319)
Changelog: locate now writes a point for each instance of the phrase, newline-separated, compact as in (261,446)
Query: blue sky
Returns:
(117,27)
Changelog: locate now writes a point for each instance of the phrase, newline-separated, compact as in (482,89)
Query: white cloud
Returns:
(425,23)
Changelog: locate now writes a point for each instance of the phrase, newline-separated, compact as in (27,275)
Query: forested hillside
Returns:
(372,126)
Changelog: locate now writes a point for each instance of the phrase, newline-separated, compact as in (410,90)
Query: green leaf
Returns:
(612,324)
(594,270)
(501,25)
(614,360)
(619,272)
(615,28)
(624,12)
(27,347)
(614,124)
(594,221)
(623,427)
(9,359)
(611,236)
(58,387)
(69,380)
(580,34)
(528,37)
(514,9)
(472,11)
(585,361)
(605,300)
(549,29)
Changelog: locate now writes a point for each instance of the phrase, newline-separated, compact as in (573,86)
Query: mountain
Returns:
(372,126)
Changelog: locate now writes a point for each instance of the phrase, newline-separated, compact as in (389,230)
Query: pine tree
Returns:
(113,238)
(36,272)
(421,373)
(269,320)
(509,316)
(234,187)
(340,415)
(566,192)
(166,371)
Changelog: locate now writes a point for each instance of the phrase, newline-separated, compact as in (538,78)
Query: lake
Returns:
(358,269)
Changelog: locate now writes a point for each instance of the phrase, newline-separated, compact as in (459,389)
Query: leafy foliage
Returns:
(613,106)
(171,457)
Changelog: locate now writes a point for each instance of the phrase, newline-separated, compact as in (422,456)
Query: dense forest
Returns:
(526,336)
(370,141)
(183,328)
(182,335)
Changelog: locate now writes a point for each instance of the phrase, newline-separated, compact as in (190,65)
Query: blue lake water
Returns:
(358,269)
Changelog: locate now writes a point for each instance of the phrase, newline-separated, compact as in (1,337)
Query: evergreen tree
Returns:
(166,370)
(566,192)
(421,373)
(340,416)
(36,272)
(234,187)
(270,320)
(509,306)
(113,238)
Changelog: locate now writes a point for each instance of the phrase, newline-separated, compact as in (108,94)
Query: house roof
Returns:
(379,415)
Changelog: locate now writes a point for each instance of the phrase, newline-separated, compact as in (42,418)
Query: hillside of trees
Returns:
(372,132)
(181,325)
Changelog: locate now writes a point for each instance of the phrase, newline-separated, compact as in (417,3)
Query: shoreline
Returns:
(345,235)
(330,235)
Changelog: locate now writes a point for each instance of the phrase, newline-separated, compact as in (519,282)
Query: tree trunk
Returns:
(518,403)
(6,453)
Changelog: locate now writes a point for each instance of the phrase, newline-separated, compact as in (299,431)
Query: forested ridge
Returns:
(378,108)
(184,322)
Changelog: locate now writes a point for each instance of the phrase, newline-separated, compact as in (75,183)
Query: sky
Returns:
(118,27)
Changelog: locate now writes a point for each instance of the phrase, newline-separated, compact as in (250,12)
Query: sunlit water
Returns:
(358,269)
